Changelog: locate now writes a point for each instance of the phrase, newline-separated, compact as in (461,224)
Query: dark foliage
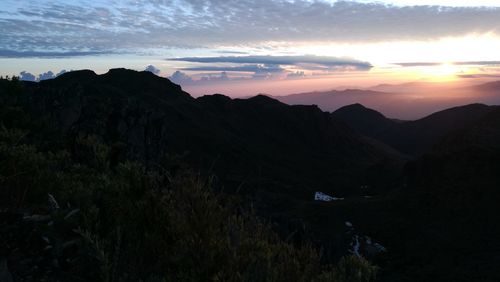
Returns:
(115,152)
(80,204)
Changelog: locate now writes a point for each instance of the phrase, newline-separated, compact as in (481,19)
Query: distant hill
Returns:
(334,99)
(414,86)
(367,121)
(483,135)
(452,200)
(488,87)
(448,198)
(411,137)
(407,101)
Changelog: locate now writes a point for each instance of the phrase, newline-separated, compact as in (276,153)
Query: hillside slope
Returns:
(147,118)
(411,137)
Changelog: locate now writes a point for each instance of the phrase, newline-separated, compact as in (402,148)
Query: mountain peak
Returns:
(128,72)
(359,109)
(130,82)
(463,113)
(365,120)
(356,106)
(123,74)
(143,82)
(263,99)
(77,75)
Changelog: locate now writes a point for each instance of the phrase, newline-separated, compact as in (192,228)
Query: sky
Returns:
(241,48)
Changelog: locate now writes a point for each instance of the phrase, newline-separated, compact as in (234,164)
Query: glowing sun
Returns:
(445,71)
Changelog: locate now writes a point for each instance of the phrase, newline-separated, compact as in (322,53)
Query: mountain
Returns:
(484,134)
(146,117)
(125,177)
(452,201)
(414,86)
(366,121)
(411,137)
(114,149)
(408,101)
(274,155)
(493,86)
(442,215)
(334,99)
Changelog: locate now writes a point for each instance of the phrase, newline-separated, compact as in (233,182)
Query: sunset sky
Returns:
(240,47)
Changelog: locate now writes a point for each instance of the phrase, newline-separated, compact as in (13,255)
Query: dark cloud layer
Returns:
(243,68)
(141,24)
(49,54)
(264,67)
(328,62)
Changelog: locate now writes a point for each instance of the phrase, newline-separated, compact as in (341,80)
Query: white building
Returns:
(320,196)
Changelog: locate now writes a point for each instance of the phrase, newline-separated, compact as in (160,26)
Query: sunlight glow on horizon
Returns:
(472,47)
(446,71)
(388,59)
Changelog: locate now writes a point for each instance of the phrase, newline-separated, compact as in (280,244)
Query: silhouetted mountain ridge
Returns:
(366,121)
(411,137)
(153,117)
(452,198)
(437,218)
(330,100)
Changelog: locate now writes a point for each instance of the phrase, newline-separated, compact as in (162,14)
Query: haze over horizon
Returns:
(242,48)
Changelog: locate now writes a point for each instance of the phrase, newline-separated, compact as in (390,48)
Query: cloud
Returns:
(61,72)
(242,68)
(46,75)
(262,76)
(24,75)
(295,75)
(273,67)
(113,26)
(27,76)
(231,52)
(152,69)
(269,67)
(180,78)
(215,77)
(468,63)
(281,60)
(266,67)
(48,54)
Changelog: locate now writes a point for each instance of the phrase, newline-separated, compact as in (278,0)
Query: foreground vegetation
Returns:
(71,212)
